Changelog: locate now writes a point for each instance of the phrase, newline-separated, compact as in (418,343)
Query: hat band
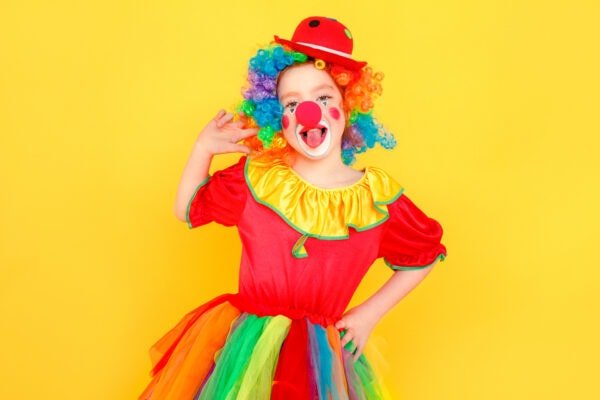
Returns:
(327,49)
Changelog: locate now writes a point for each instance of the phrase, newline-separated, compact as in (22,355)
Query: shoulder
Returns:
(234,171)
(239,164)
(398,204)
(220,197)
(229,178)
(383,186)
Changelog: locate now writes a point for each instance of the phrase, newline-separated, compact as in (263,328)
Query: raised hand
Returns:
(221,135)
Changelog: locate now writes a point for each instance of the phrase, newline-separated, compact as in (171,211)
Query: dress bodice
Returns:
(305,249)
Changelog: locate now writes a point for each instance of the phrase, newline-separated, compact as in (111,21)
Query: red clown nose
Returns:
(308,114)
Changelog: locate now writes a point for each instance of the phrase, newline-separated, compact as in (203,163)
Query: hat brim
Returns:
(322,54)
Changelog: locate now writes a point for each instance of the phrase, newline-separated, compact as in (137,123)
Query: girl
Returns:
(310,225)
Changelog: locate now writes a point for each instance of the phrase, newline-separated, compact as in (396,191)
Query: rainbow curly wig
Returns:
(261,108)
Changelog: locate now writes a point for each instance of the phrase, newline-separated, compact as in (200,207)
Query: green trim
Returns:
(290,223)
(187,211)
(440,256)
(298,249)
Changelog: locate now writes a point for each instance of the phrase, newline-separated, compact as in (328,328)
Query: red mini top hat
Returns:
(324,38)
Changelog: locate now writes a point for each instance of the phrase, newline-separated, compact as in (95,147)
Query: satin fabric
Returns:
(410,238)
(362,205)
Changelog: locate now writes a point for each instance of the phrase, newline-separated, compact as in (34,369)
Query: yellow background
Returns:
(495,108)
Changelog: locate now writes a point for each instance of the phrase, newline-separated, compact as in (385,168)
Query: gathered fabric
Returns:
(218,351)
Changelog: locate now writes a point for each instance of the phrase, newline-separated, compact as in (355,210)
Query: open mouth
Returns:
(314,137)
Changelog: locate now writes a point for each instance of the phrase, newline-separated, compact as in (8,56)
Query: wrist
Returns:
(201,149)
(371,312)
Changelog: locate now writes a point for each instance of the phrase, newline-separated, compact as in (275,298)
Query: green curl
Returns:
(247,107)
(266,134)
(298,57)
(354,114)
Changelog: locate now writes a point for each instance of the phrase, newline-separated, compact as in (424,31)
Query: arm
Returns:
(219,136)
(360,320)
(195,171)
(410,245)
(395,289)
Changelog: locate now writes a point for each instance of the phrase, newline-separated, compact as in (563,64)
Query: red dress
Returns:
(305,251)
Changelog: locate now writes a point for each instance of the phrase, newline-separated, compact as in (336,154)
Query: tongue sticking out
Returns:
(314,137)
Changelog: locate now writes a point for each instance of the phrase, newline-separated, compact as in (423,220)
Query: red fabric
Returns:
(329,35)
(291,380)
(320,286)
(221,199)
(410,237)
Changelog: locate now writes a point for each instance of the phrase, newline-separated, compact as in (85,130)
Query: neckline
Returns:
(365,171)
(321,213)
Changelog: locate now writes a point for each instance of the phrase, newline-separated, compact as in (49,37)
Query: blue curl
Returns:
(268,112)
(271,61)
(370,132)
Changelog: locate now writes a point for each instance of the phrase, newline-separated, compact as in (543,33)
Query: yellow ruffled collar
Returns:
(319,212)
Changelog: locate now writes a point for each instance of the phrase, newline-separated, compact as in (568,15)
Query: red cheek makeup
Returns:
(285,121)
(335,113)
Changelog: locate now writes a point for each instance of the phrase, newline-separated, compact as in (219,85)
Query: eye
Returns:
(324,99)
(291,105)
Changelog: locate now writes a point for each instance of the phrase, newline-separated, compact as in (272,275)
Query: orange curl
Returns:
(280,149)
(361,90)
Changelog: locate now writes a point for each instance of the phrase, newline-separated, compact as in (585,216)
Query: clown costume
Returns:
(305,247)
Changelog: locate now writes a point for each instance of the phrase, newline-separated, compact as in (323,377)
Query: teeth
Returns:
(305,133)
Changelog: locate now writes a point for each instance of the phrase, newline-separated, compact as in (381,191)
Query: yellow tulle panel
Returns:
(258,379)
(245,366)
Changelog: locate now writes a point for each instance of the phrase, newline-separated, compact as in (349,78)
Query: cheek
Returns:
(335,113)
(285,121)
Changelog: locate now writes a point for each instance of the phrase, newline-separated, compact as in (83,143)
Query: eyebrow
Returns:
(323,86)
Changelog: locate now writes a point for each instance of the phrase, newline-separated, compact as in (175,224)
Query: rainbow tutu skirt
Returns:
(221,350)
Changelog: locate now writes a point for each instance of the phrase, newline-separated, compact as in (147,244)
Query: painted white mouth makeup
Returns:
(320,149)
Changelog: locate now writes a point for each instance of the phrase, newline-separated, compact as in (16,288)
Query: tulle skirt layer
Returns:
(219,351)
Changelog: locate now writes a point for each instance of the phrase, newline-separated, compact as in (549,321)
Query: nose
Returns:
(308,113)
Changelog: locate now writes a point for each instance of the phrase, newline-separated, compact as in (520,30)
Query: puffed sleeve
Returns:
(220,197)
(410,239)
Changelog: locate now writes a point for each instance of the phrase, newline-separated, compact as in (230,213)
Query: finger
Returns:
(242,148)
(347,337)
(343,334)
(232,127)
(340,324)
(357,354)
(219,114)
(233,139)
(351,346)
(359,350)
(224,119)
(244,133)
(239,132)
(237,124)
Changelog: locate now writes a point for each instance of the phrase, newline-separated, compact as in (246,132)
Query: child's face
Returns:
(313,119)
